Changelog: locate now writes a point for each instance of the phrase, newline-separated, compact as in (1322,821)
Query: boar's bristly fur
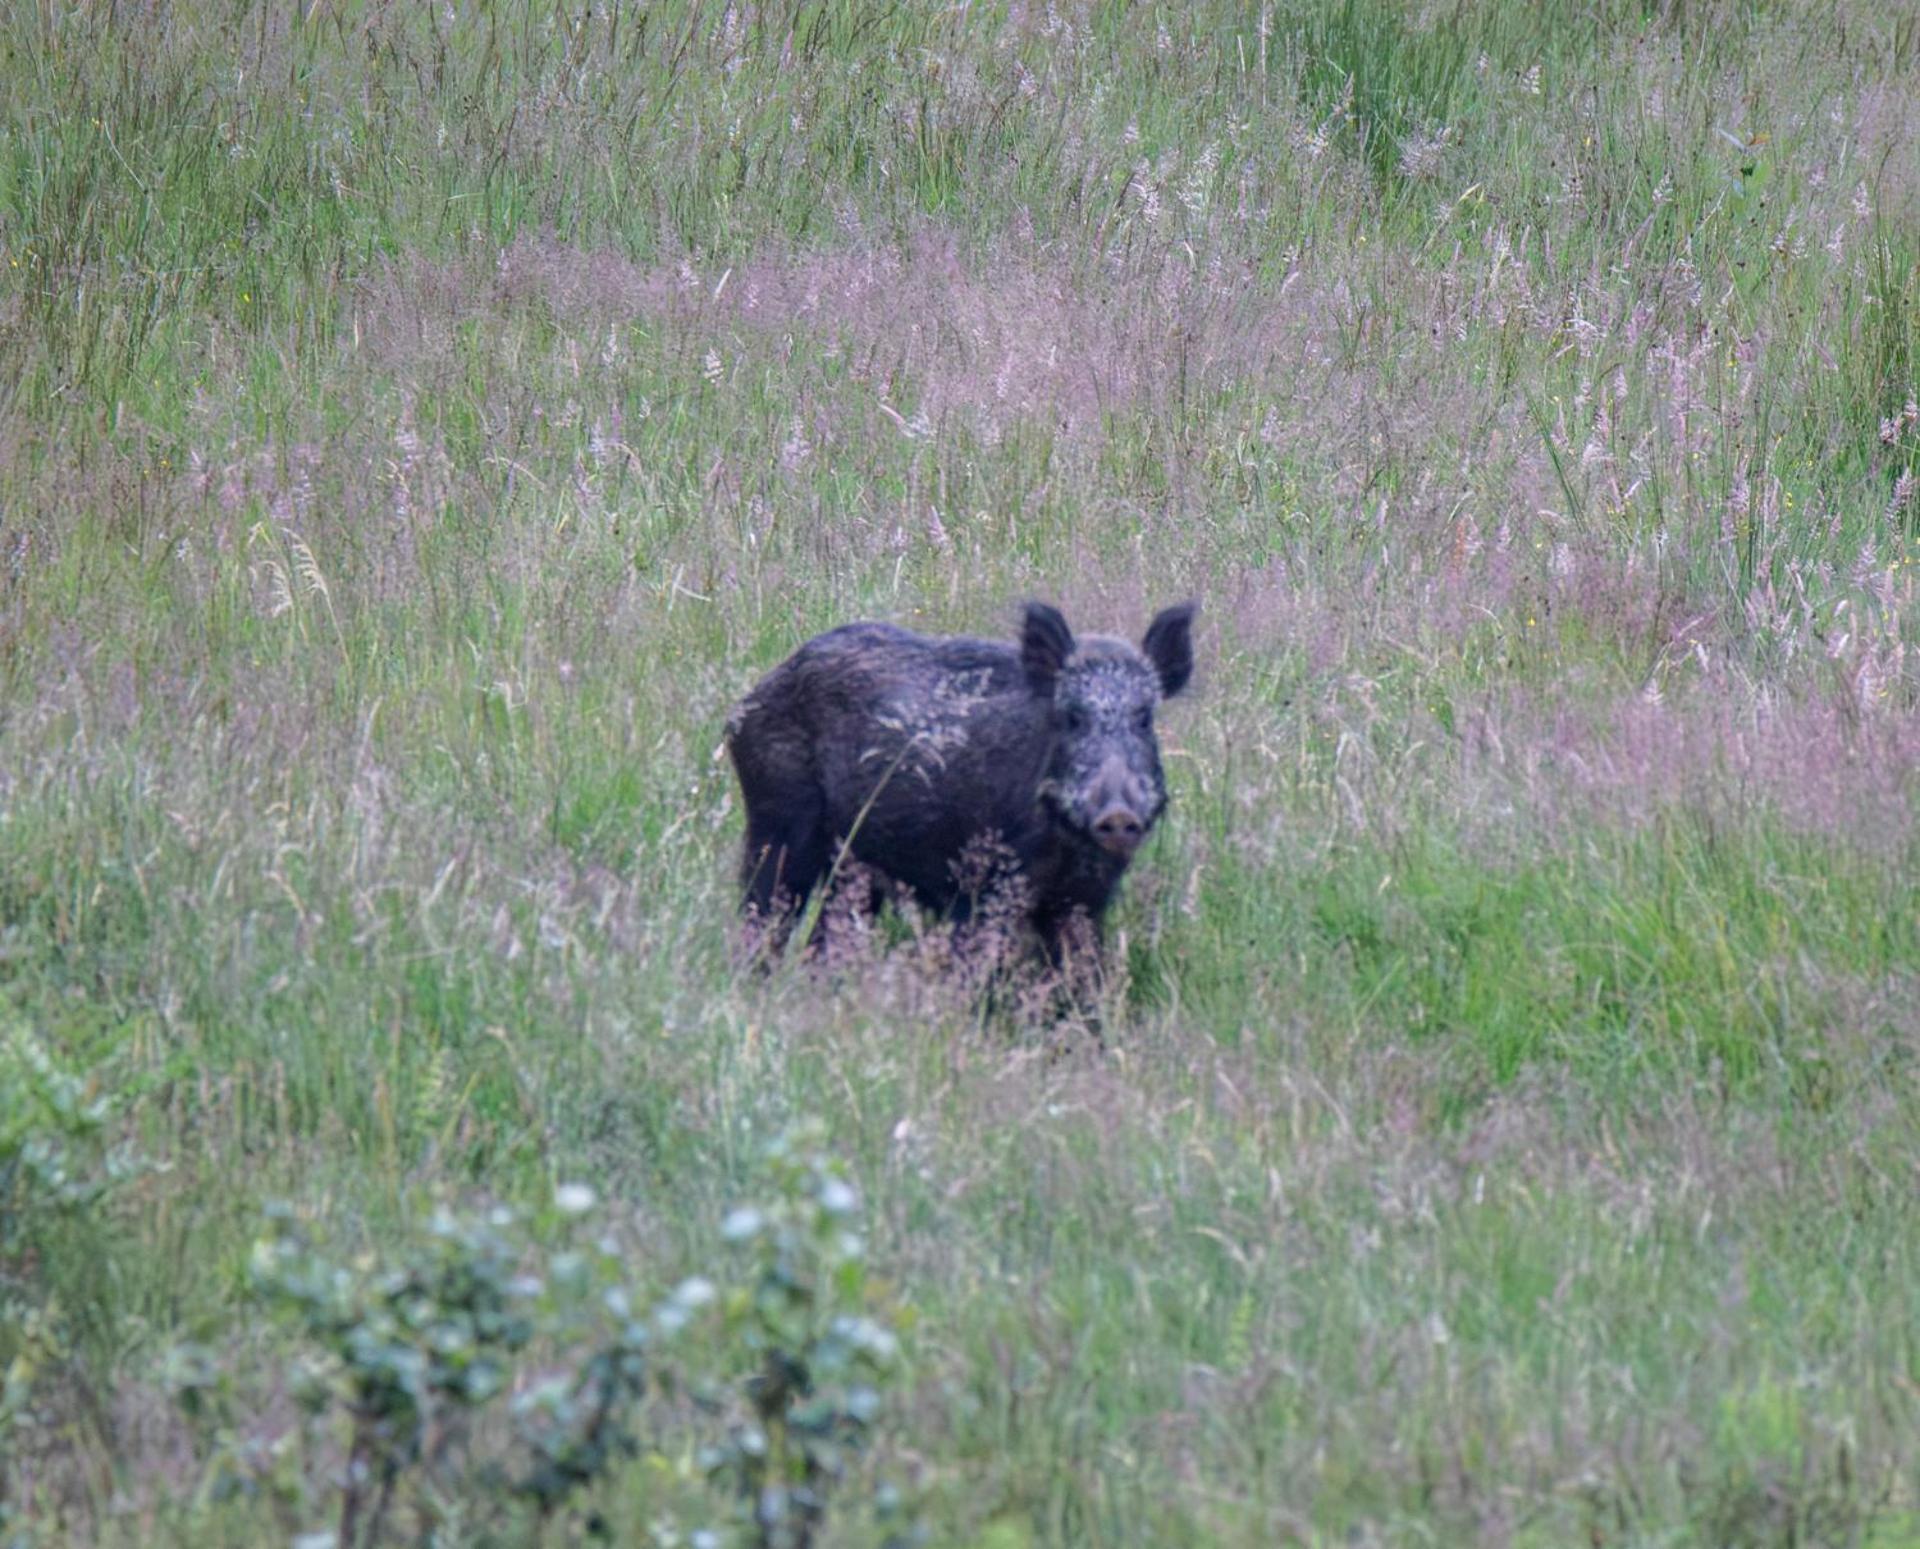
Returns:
(907,749)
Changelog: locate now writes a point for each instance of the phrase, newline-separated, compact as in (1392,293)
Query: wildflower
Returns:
(574,1199)
(1193,189)
(1148,193)
(797,449)
(1420,155)
(1902,494)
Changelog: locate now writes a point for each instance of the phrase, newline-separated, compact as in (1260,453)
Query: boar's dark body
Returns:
(911,749)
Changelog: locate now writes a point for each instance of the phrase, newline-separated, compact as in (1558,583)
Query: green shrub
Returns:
(58,1163)
(495,1378)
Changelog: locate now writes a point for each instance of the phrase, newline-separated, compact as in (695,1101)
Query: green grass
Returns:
(418,425)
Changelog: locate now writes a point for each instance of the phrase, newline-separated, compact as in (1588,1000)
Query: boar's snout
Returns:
(1122,807)
(1119,830)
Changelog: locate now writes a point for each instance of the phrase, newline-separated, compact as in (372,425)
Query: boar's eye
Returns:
(1075,719)
(1143,718)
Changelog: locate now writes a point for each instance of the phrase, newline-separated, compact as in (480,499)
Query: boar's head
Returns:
(1103,780)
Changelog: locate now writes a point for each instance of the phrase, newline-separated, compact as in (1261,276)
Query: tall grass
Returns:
(422,422)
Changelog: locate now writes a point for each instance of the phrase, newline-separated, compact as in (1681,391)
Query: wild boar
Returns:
(906,750)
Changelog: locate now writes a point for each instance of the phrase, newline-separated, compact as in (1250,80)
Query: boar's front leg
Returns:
(1074,942)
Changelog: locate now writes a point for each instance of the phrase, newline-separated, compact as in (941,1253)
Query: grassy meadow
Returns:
(419,422)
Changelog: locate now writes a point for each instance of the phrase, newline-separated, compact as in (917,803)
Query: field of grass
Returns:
(419,422)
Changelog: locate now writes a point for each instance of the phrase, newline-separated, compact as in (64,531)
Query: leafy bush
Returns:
(802,1358)
(58,1162)
(491,1379)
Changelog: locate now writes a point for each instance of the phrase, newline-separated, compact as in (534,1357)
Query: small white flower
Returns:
(742,1224)
(575,1199)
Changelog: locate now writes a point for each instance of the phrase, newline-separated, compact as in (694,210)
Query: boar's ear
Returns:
(1169,646)
(1045,645)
